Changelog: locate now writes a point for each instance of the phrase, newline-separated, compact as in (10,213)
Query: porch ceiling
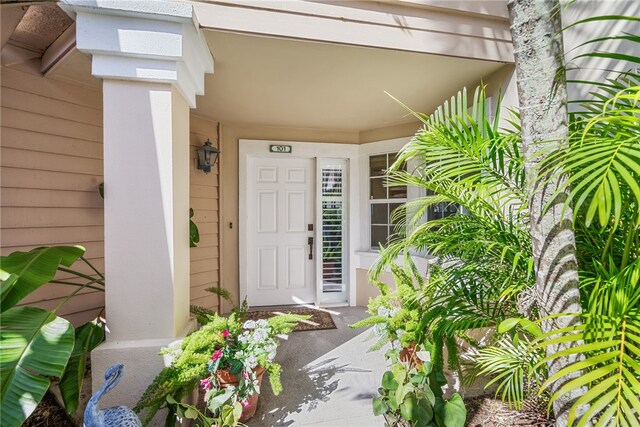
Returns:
(278,82)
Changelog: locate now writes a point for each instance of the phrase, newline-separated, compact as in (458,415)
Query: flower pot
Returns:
(408,354)
(226,378)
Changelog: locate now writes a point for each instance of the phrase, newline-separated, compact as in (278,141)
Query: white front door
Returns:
(279,224)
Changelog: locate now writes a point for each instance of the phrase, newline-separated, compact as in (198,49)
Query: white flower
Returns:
(262,323)
(251,362)
(249,324)
(393,312)
(258,336)
(396,345)
(383,311)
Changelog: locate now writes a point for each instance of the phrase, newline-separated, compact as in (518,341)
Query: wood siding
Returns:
(205,266)
(51,166)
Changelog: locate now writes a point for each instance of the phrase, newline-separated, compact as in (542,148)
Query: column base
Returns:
(142,363)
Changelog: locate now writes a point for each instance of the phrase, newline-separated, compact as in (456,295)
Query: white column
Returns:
(146,215)
(152,58)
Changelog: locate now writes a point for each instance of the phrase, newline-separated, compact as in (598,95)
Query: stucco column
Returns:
(152,58)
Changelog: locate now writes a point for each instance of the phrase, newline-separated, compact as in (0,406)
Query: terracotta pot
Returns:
(226,378)
(408,354)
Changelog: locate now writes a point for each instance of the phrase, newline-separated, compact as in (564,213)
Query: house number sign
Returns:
(280,148)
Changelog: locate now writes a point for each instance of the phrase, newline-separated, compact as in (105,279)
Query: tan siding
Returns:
(204,202)
(51,166)
(51,161)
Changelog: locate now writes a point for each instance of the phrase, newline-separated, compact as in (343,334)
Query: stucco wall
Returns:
(51,166)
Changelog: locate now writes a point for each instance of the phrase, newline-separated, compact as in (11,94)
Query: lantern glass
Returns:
(207,156)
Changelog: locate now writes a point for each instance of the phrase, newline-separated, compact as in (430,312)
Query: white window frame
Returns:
(366,151)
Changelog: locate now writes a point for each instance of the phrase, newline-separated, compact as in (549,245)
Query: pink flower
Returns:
(216,355)
(226,333)
(245,375)
(245,403)
(205,384)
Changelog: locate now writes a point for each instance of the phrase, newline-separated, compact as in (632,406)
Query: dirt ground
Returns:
(484,411)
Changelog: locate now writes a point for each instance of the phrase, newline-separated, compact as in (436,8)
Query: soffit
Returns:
(40,26)
(280,82)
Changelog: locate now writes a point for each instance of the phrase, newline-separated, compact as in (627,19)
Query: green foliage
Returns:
(188,367)
(484,251)
(229,416)
(87,337)
(35,344)
(486,265)
(610,340)
(406,398)
(192,362)
(394,315)
(33,269)
(511,362)
(194,233)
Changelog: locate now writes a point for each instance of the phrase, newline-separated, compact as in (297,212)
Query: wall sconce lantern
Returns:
(207,156)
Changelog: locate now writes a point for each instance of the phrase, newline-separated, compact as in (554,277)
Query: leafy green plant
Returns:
(407,397)
(229,416)
(395,315)
(194,233)
(36,344)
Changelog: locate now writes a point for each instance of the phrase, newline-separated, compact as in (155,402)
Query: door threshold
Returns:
(333,304)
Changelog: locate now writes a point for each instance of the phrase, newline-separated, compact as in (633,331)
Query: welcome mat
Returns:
(319,319)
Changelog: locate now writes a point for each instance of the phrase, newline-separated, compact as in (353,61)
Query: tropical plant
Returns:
(232,343)
(36,344)
(485,269)
(408,396)
(604,165)
(513,362)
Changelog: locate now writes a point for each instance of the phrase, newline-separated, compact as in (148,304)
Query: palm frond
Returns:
(610,340)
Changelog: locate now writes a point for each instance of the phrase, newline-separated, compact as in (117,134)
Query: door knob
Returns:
(310,243)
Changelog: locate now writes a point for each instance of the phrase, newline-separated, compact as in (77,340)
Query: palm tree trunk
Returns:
(537,40)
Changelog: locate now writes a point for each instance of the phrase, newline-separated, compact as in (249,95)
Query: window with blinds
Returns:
(333,229)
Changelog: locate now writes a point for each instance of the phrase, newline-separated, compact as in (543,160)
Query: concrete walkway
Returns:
(328,378)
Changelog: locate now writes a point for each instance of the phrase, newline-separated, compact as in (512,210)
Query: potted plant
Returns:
(395,315)
(225,359)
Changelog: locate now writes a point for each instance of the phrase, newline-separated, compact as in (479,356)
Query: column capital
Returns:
(143,40)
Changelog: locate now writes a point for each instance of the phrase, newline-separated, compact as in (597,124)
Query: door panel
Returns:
(280,205)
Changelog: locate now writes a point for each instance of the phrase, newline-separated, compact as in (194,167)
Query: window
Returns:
(333,225)
(383,200)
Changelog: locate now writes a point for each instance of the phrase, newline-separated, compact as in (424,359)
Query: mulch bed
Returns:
(319,319)
(48,414)
(486,411)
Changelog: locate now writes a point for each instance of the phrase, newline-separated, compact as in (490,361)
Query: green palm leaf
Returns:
(610,340)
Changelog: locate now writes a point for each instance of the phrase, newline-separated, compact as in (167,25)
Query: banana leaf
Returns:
(34,345)
(24,272)
(88,337)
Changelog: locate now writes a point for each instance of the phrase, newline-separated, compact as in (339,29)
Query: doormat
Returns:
(319,319)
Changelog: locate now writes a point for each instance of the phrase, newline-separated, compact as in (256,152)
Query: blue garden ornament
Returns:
(116,416)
